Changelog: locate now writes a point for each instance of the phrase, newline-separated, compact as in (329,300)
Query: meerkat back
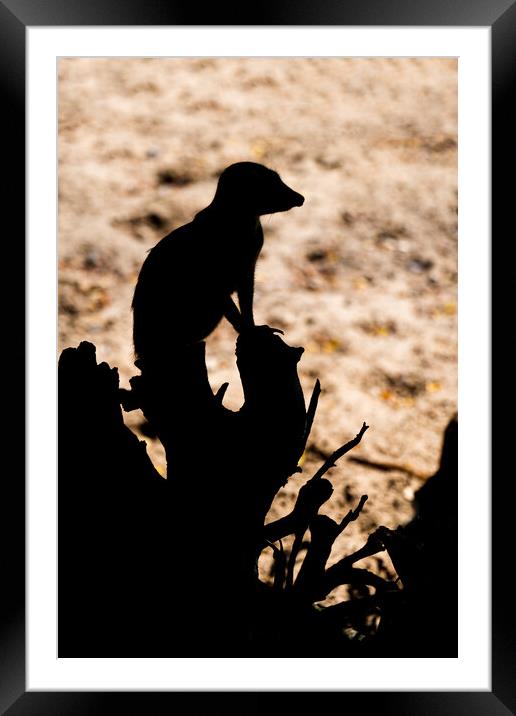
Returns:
(167,294)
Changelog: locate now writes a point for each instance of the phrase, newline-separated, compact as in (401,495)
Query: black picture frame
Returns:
(15,17)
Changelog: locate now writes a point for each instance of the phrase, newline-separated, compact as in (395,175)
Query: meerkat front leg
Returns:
(245,294)
(233,315)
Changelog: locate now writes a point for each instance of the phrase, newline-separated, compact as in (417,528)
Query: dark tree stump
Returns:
(168,567)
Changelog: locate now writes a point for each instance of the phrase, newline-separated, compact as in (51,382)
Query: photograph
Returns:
(257,393)
(258,254)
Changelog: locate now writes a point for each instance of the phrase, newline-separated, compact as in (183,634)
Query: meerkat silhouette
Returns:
(186,282)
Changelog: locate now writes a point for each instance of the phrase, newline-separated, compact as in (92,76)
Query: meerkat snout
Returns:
(256,189)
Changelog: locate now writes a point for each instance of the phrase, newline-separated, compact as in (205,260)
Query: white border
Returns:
(471,671)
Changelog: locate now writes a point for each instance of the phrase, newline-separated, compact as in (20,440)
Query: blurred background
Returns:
(364,275)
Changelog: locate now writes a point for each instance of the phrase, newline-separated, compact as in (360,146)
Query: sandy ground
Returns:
(364,275)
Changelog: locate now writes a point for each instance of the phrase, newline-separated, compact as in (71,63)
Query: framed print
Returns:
(303,176)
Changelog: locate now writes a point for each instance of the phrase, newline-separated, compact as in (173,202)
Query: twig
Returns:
(221,392)
(373,545)
(324,531)
(330,462)
(318,475)
(353,514)
(280,564)
(298,541)
(312,407)
(310,498)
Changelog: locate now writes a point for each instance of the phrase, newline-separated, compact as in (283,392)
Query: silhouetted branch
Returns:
(373,545)
(330,462)
(312,408)
(353,514)
(296,546)
(280,564)
(310,498)
(300,531)
(221,392)
(324,531)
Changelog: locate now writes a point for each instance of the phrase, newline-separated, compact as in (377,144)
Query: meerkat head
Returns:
(253,188)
